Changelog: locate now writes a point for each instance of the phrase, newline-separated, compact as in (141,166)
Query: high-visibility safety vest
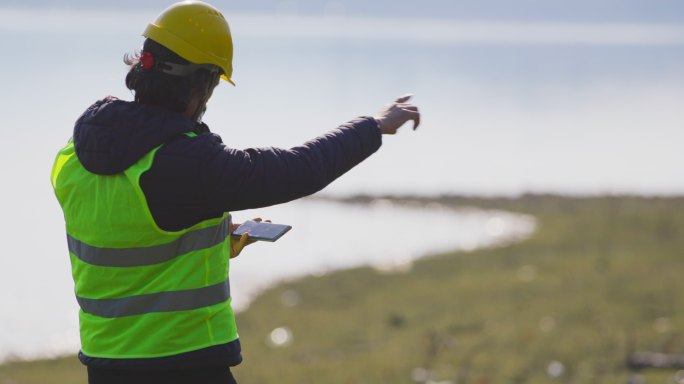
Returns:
(143,292)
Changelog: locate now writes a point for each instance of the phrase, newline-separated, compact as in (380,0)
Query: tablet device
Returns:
(262,230)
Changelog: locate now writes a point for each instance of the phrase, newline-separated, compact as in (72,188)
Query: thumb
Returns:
(241,243)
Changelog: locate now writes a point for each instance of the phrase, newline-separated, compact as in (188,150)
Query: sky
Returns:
(524,10)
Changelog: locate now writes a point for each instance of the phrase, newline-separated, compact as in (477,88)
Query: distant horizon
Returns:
(671,11)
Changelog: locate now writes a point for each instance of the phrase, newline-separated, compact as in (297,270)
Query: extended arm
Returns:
(253,178)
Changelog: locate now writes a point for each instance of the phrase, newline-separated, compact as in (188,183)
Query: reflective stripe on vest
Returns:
(136,257)
(157,302)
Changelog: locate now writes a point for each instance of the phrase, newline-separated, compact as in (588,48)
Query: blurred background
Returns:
(578,98)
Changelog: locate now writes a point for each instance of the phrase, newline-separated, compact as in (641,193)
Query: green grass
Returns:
(65,370)
(599,279)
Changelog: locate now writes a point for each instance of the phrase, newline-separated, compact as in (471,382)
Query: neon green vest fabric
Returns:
(143,292)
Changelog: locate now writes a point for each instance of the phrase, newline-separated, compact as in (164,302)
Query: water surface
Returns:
(326,236)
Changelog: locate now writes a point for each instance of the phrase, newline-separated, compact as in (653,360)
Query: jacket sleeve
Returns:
(259,177)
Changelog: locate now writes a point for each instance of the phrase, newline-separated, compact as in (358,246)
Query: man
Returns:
(146,189)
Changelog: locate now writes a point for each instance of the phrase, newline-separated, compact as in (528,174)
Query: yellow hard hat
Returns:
(197,32)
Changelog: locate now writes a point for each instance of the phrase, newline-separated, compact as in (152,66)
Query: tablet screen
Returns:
(262,230)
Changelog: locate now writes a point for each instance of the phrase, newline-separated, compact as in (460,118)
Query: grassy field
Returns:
(600,279)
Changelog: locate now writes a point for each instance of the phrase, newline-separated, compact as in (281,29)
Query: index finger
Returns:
(404,98)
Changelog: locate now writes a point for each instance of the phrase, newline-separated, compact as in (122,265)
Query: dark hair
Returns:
(154,87)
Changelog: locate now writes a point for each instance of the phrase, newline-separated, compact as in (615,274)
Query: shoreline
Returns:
(451,229)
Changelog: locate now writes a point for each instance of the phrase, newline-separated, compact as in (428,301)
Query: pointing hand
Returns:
(394,115)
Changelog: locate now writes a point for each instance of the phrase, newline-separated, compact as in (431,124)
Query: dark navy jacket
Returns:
(194,179)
